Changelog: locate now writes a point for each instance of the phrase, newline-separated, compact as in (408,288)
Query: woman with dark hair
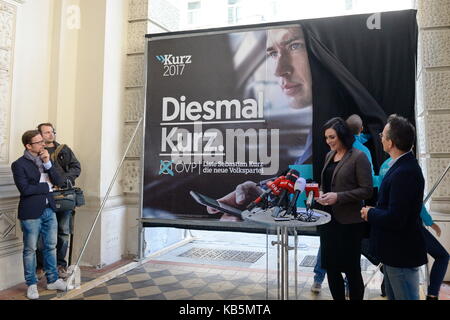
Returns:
(346,182)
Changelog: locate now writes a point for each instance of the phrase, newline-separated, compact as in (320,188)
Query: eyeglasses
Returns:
(38,142)
(385,136)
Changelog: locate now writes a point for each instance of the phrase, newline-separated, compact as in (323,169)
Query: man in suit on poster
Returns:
(288,57)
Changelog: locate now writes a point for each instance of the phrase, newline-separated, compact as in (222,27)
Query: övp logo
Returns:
(165,167)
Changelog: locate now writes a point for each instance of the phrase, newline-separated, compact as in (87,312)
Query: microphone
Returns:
(273,187)
(312,191)
(288,187)
(299,187)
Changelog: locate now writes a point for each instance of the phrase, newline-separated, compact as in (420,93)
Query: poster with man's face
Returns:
(229,109)
(223,110)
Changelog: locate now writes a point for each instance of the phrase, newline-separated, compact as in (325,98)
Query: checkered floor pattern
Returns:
(167,281)
(175,282)
(19,292)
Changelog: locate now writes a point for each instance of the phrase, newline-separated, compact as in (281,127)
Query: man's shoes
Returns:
(432,298)
(40,273)
(62,272)
(316,287)
(59,284)
(32,292)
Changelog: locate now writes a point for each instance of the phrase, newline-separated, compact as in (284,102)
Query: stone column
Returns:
(10,242)
(145,17)
(433,106)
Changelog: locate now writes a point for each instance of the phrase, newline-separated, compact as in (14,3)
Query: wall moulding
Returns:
(14,2)
(7,224)
(7,39)
(10,247)
(6,175)
(93,203)
(441,206)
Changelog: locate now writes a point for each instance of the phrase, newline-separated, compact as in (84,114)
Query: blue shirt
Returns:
(358,144)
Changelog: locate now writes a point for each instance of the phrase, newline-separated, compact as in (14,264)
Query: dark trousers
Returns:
(341,252)
(355,284)
(65,229)
(440,264)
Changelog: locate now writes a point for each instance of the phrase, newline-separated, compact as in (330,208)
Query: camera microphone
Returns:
(288,187)
(299,187)
(312,191)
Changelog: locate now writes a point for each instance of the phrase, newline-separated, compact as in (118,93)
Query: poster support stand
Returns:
(74,270)
(282,243)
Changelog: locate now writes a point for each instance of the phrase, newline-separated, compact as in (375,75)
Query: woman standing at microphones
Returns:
(346,182)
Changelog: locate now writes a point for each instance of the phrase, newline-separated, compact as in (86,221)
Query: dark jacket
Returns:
(396,237)
(352,181)
(67,165)
(32,192)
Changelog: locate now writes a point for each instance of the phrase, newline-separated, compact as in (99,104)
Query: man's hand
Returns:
(45,156)
(327,199)
(243,194)
(436,229)
(365,212)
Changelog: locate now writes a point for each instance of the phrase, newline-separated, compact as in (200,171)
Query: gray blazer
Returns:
(352,181)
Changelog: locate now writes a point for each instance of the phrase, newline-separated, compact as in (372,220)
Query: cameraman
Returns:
(69,169)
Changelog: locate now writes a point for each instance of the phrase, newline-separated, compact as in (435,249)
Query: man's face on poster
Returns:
(286,50)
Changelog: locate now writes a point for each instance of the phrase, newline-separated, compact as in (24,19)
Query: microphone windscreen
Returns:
(300,184)
(292,175)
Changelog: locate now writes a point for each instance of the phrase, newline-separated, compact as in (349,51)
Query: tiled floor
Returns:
(18,292)
(174,277)
(167,280)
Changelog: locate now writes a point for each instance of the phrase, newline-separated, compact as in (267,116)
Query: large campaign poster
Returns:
(226,112)
(229,109)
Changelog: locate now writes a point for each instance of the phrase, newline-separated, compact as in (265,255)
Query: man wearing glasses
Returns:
(34,176)
(396,237)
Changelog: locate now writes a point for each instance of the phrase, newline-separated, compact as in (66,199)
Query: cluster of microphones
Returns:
(277,197)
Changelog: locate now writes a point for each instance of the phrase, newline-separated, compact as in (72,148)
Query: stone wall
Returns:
(433,107)
(144,17)
(10,243)
(433,97)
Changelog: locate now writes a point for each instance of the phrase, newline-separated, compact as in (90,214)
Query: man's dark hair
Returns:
(401,132)
(343,132)
(46,124)
(28,136)
(354,123)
